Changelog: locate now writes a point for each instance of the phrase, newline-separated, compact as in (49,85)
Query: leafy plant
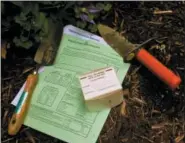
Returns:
(89,14)
(32,24)
(31,20)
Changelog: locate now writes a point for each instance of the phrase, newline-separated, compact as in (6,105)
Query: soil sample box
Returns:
(101,89)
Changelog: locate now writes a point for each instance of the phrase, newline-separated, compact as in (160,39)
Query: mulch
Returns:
(151,112)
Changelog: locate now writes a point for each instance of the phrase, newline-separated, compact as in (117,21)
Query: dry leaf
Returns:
(47,49)
(3,49)
(49,55)
(179,138)
(40,52)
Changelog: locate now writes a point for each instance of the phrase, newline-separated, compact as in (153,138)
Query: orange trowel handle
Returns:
(165,74)
(22,107)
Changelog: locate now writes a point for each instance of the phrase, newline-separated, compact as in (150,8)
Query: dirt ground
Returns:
(151,112)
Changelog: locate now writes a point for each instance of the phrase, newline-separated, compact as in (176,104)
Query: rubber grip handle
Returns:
(157,68)
(23,104)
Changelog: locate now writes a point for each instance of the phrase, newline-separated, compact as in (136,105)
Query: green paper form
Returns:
(57,106)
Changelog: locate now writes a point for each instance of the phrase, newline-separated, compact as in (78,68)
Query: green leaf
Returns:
(27,44)
(83,9)
(45,28)
(70,20)
(35,9)
(37,38)
(27,8)
(81,24)
(40,19)
(107,7)
(43,34)
(20,19)
(27,26)
(19,43)
(18,3)
(100,5)
(93,28)
(77,10)
(90,16)
(23,38)
(69,4)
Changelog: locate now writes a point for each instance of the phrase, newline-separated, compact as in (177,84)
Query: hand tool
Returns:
(23,104)
(128,51)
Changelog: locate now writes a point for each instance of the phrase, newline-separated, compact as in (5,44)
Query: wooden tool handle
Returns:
(165,74)
(22,107)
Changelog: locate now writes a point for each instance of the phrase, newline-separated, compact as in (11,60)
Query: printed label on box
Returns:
(99,82)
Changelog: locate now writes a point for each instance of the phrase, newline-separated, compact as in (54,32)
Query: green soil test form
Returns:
(57,106)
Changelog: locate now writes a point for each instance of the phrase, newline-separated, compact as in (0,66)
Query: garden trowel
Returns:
(129,51)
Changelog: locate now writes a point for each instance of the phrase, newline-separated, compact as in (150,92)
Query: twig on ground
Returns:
(163,12)
(143,137)
(9,139)
(8,78)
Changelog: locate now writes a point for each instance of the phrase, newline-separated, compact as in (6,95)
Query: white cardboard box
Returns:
(101,89)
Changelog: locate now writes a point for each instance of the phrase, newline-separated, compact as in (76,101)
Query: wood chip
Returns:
(179,138)
(163,12)
(162,125)
(155,22)
(156,111)
(135,99)
(158,126)
(123,109)
(124,140)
